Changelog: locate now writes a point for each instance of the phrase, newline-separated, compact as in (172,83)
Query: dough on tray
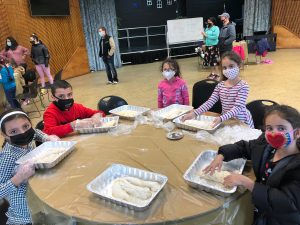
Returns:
(201,124)
(128,113)
(216,177)
(134,190)
(110,123)
(48,156)
(173,113)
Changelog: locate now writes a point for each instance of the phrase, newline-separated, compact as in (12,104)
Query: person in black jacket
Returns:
(227,34)
(40,57)
(275,158)
(107,49)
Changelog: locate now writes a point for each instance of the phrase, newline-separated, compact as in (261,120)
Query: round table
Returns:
(61,194)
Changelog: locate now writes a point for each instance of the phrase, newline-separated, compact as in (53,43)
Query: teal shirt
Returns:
(4,78)
(212,36)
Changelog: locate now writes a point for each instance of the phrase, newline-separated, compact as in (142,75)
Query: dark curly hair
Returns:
(14,44)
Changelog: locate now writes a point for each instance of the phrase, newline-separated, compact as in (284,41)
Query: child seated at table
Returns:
(20,137)
(63,115)
(275,158)
(172,89)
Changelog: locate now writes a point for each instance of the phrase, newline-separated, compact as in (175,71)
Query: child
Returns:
(40,57)
(19,136)
(276,164)
(63,115)
(9,85)
(172,89)
(233,93)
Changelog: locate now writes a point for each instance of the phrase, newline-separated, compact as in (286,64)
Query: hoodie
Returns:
(227,36)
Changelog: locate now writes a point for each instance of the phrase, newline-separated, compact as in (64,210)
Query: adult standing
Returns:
(40,57)
(14,51)
(211,55)
(227,34)
(107,50)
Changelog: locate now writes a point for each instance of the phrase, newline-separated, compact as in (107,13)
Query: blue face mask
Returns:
(8,43)
(102,34)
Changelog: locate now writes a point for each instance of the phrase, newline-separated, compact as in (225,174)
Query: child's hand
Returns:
(189,116)
(24,171)
(53,138)
(215,164)
(85,123)
(238,180)
(216,122)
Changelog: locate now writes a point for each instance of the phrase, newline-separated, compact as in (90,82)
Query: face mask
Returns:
(168,74)
(64,104)
(231,73)
(24,138)
(209,24)
(32,42)
(8,43)
(278,139)
(102,34)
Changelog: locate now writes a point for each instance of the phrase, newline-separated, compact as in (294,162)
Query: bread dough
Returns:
(106,124)
(134,190)
(201,124)
(48,156)
(128,113)
(216,177)
(172,113)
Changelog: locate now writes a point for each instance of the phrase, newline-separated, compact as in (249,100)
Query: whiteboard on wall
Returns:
(185,30)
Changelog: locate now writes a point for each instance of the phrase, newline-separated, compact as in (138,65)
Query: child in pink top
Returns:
(172,89)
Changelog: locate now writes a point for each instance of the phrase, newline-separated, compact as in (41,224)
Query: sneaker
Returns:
(109,82)
(115,82)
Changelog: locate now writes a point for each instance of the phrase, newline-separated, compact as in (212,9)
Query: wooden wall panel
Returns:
(286,13)
(62,35)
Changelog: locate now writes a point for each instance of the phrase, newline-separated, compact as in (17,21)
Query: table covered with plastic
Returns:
(59,195)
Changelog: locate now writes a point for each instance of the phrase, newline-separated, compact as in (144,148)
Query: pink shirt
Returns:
(16,54)
(171,92)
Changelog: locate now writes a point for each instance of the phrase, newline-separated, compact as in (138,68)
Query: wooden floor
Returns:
(279,81)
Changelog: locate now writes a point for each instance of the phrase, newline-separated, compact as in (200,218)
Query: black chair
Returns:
(202,90)
(3,209)
(257,109)
(39,126)
(31,95)
(108,103)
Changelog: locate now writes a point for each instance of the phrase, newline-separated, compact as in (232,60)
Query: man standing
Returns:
(227,34)
(107,49)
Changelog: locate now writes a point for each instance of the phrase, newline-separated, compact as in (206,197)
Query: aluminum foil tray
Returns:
(204,159)
(184,126)
(138,109)
(66,146)
(101,185)
(100,129)
(162,112)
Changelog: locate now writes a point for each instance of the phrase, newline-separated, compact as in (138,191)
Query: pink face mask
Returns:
(279,139)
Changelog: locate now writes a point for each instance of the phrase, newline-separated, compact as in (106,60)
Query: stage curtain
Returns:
(257,16)
(96,13)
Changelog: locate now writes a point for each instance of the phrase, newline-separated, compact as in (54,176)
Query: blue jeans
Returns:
(11,98)
(110,69)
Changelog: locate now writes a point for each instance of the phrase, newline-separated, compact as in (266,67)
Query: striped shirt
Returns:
(18,211)
(233,100)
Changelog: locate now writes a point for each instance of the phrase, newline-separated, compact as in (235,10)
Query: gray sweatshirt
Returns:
(227,36)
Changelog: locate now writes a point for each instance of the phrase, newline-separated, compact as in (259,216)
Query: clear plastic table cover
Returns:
(59,195)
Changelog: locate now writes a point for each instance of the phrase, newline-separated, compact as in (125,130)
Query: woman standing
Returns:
(211,55)
(40,57)
(14,51)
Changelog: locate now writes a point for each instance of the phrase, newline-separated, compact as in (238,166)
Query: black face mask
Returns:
(64,104)
(32,42)
(24,138)
(209,24)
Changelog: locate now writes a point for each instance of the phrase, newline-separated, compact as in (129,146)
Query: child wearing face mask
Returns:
(275,158)
(20,137)
(173,88)
(232,92)
(63,116)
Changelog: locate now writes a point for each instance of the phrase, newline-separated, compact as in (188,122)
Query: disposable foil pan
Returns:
(138,109)
(100,129)
(101,185)
(162,112)
(184,126)
(68,147)
(204,159)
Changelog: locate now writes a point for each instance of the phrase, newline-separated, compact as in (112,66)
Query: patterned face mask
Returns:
(231,73)
(168,74)
(279,139)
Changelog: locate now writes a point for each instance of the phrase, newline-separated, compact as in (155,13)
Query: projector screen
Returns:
(185,30)
(49,7)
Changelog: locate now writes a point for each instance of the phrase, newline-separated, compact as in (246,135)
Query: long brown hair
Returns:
(172,63)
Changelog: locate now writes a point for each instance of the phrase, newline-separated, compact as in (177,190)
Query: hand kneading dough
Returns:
(216,177)
(134,190)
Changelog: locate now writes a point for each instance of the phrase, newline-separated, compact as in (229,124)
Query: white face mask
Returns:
(8,43)
(102,34)
(168,74)
(231,73)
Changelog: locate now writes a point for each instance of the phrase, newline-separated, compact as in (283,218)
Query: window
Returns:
(169,2)
(149,2)
(159,4)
